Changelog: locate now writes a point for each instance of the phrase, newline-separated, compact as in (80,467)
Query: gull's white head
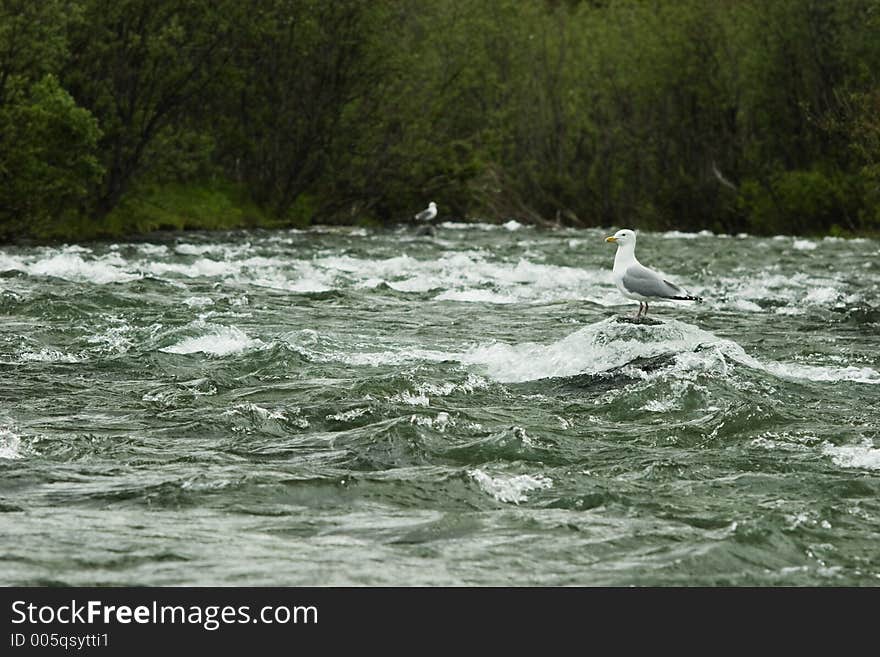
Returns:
(623,237)
(432,205)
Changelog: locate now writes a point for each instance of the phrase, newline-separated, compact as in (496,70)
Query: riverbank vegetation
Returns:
(125,116)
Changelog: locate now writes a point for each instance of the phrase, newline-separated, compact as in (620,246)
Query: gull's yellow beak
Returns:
(611,239)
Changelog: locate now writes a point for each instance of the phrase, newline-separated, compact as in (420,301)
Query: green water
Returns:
(350,407)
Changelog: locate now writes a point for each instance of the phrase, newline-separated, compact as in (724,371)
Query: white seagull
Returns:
(427,214)
(638,282)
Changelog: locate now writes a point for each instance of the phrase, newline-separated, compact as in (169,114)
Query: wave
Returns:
(10,444)
(47,355)
(679,235)
(475,296)
(469,225)
(771,291)
(221,341)
(318,347)
(70,265)
(260,417)
(612,346)
(509,488)
(864,456)
(203,267)
(198,302)
(597,348)
(470,275)
(823,373)
(148,249)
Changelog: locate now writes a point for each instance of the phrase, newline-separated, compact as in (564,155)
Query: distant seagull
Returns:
(638,282)
(427,214)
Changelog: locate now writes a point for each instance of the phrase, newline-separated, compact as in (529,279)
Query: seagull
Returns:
(638,282)
(427,214)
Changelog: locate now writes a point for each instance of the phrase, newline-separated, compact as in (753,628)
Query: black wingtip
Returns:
(689,298)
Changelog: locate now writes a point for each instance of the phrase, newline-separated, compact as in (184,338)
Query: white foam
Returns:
(265,415)
(852,240)
(512,225)
(379,358)
(438,389)
(658,405)
(510,489)
(151,249)
(447,388)
(198,302)
(610,344)
(304,286)
(440,422)
(470,277)
(804,245)
(771,441)
(594,349)
(116,338)
(475,296)
(864,456)
(414,284)
(203,267)
(320,348)
(255,409)
(748,306)
(10,444)
(822,295)
(474,225)
(195,249)
(771,445)
(46,355)
(823,373)
(679,235)
(71,266)
(348,416)
(413,399)
(370,283)
(299,276)
(222,341)
(771,286)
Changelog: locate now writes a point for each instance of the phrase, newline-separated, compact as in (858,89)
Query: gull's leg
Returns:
(638,312)
(646,309)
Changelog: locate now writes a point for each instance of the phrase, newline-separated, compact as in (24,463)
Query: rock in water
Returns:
(649,321)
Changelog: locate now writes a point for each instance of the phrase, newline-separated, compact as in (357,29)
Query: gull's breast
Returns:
(617,277)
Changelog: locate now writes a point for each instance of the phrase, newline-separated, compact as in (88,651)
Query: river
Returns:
(344,406)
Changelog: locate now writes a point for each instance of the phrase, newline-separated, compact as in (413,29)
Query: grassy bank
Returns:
(169,207)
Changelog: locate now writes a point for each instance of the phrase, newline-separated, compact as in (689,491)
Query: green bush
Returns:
(748,115)
(799,202)
(48,162)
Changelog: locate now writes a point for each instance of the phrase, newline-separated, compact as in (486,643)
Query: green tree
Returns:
(47,142)
(300,65)
(142,67)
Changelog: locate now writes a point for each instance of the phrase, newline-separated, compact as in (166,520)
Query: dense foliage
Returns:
(131,115)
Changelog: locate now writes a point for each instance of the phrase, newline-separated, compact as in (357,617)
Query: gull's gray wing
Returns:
(641,280)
